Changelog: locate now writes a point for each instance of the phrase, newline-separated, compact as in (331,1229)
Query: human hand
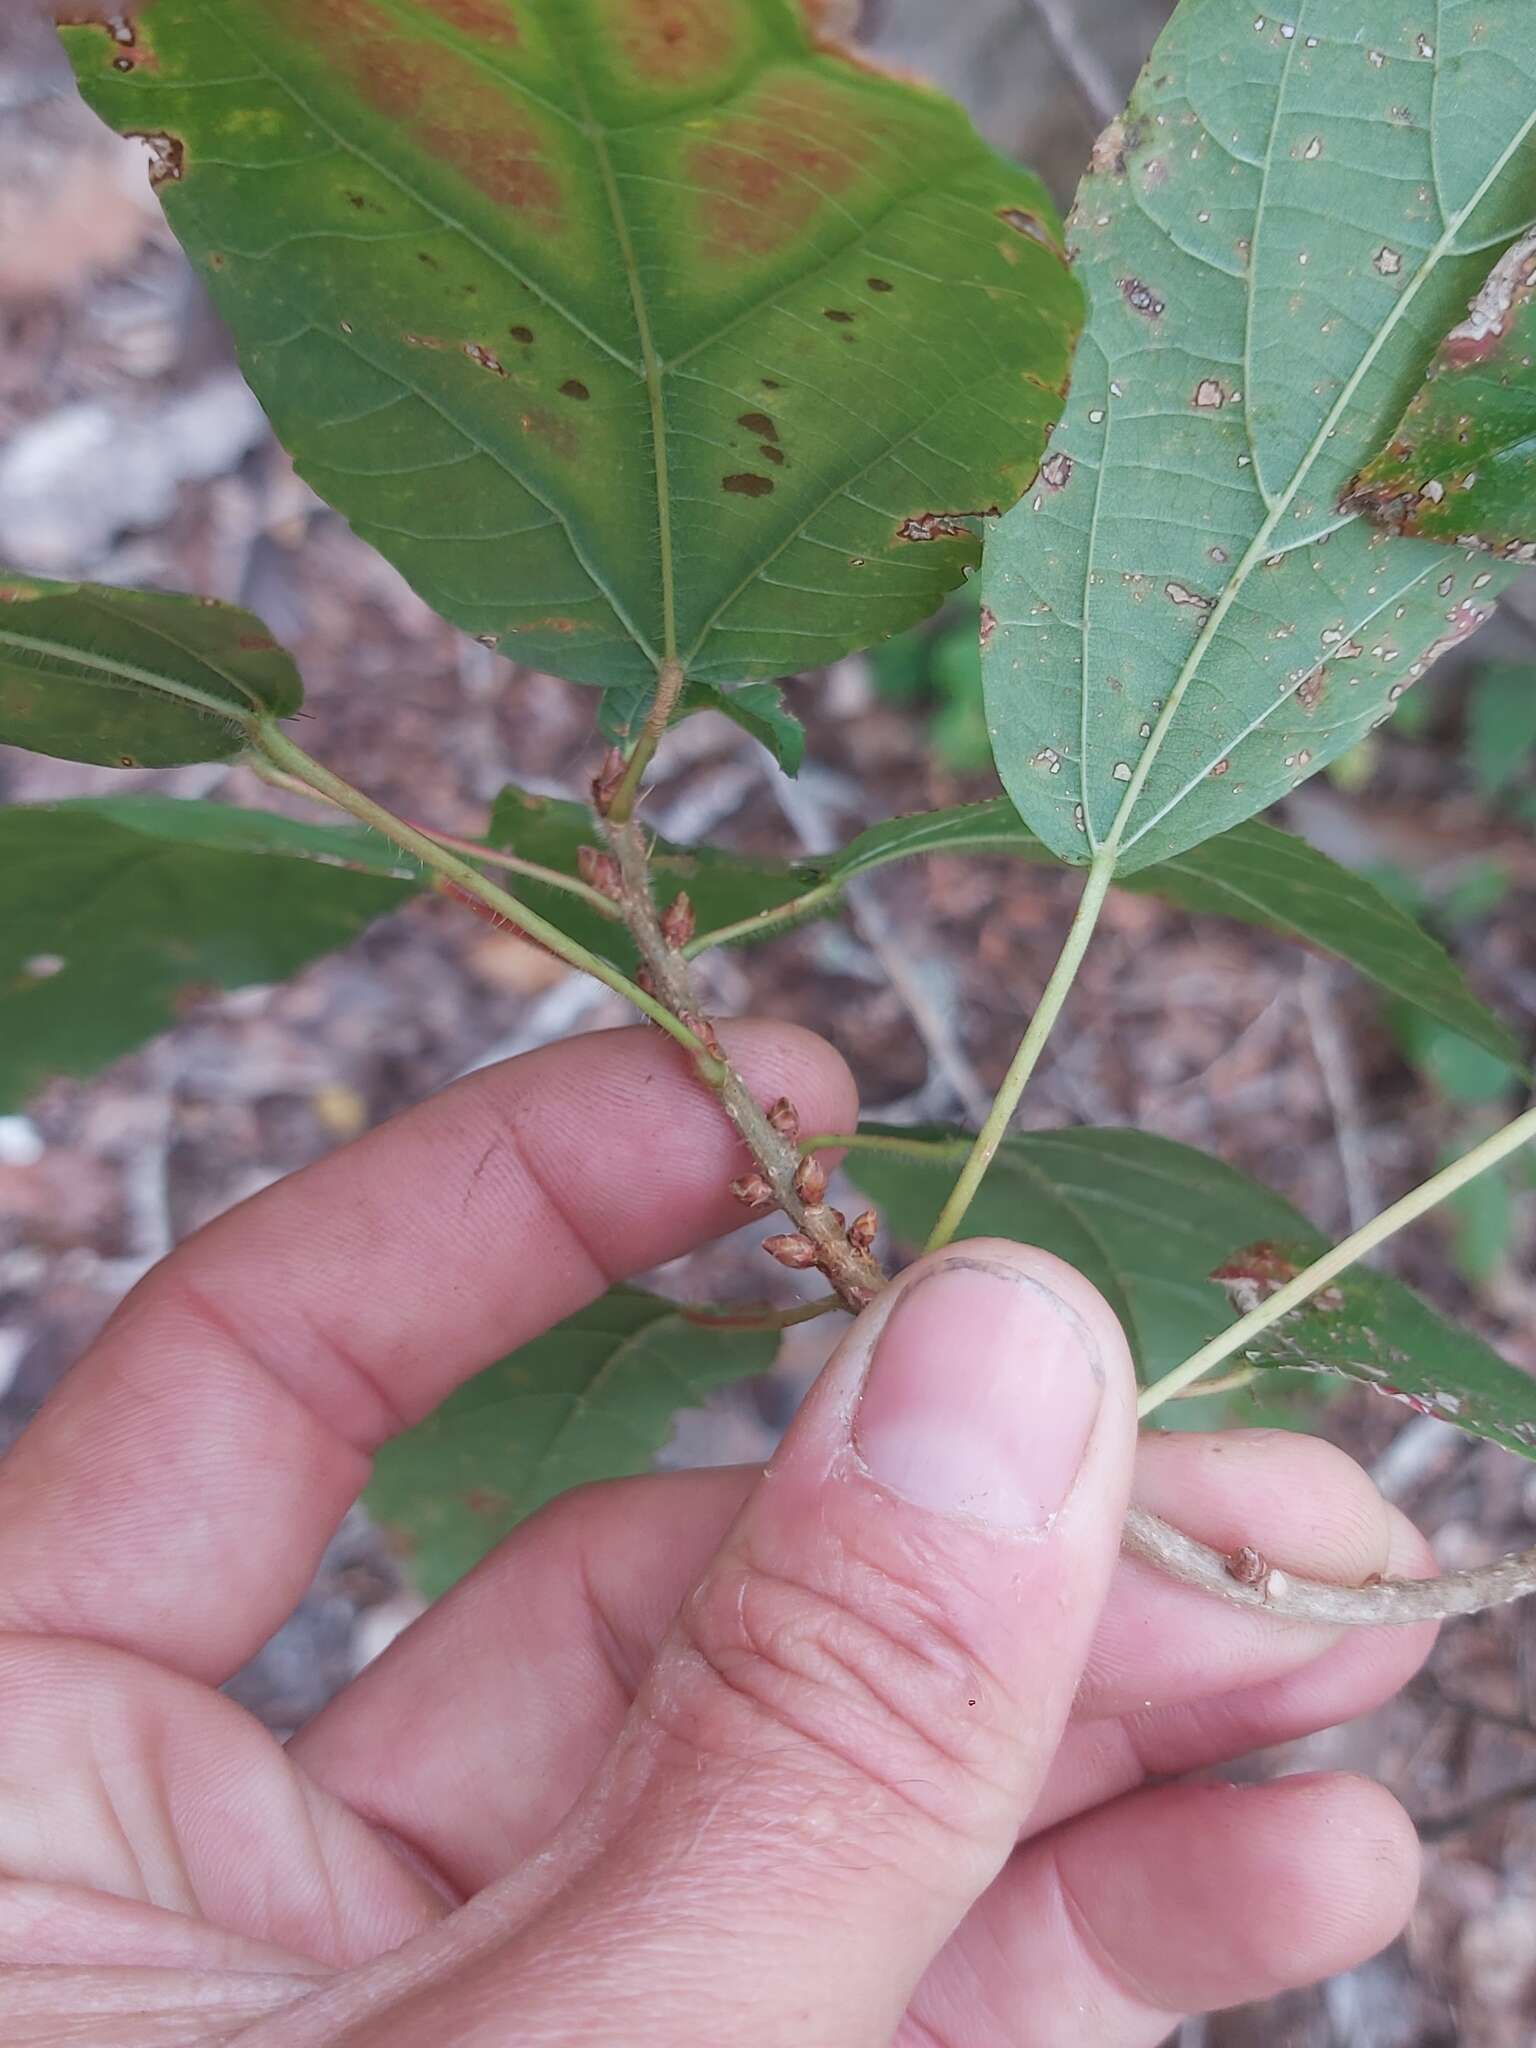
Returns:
(860,1751)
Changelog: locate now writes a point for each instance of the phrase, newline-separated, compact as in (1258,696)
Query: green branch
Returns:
(275,746)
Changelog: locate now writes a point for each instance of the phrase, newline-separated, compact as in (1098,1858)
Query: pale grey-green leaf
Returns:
(1292,213)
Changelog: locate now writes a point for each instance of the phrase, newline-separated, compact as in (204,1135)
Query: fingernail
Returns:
(981,1397)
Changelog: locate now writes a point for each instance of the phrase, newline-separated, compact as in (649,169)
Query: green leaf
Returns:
(1501,726)
(758,708)
(1293,210)
(115,912)
(1253,873)
(134,678)
(1462,1070)
(1179,1244)
(1371,1328)
(1482,1224)
(1461,463)
(623,331)
(592,1399)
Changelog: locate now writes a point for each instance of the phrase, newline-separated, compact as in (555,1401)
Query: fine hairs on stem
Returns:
(787,1176)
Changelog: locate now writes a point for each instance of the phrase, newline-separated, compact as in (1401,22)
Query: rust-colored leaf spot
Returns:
(1029,224)
(1181,594)
(1260,1270)
(256,643)
(522,334)
(1056,471)
(1141,298)
(485,358)
(772,384)
(574,388)
(747,485)
(442,100)
(763,173)
(1210,395)
(1310,690)
(671,42)
(770,452)
(167,155)
(758,423)
(492,21)
(837,314)
(933,526)
(560,435)
(1113,149)
(988,625)
(880,284)
(481,1501)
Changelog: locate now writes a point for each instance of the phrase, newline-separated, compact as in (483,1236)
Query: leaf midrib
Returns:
(123,671)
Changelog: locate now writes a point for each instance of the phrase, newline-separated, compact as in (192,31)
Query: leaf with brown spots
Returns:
(626,329)
(1460,465)
(1179,1244)
(1188,621)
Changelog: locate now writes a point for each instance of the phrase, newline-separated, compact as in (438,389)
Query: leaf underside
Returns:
(1461,463)
(592,1399)
(133,678)
(116,913)
(1293,211)
(624,331)
(1153,1223)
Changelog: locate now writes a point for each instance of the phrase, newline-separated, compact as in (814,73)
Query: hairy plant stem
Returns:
(669,687)
(851,1271)
(1090,905)
(275,747)
(1354,1248)
(486,856)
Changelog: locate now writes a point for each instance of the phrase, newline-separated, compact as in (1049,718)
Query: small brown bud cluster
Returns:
(753,1191)
(599,871)
(811,1183)
(861,1232)
(702,1029)
(785,1119)
(678,923)
(792,1250)
(1247,1566)
(605,784)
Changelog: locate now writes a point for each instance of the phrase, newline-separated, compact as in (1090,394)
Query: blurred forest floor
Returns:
(131,452)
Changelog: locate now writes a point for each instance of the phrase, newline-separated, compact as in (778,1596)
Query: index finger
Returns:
(176,1493)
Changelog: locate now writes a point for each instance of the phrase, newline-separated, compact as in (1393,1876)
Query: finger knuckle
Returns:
(850,1682)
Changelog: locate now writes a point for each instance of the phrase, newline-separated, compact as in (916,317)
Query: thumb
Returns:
(835,1749)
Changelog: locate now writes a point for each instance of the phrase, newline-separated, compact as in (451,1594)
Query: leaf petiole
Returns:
(275,747)
(1090,906)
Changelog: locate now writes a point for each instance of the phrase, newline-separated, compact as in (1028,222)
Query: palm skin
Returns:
(584,1789)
